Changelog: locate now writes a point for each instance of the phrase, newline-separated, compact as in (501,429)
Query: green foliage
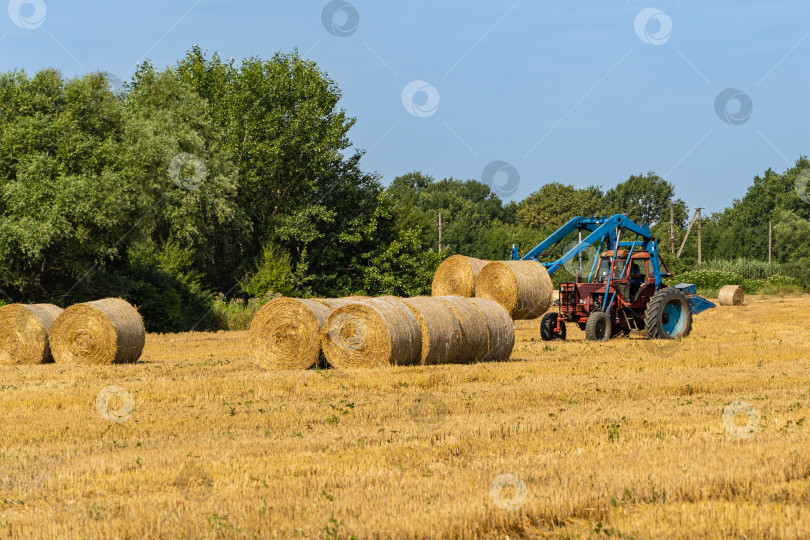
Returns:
(645,199)
(281,124)
(707,279)
(741,230)
(746,268)
(755,277)
(791,237)
(554,204)
(164,287)
(274,274)
(469,210)
(798,269)
(772,285)
(236,314)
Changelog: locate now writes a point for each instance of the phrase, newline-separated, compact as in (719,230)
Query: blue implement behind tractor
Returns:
(624,288)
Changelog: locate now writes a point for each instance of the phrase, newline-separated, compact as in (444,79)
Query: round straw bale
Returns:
(285,333)
(24,330)
(375,332)
(457,275)
(523,287)
(335,303)
(500,329)
(108,331)
(474,331)
(731,295)
(441,331)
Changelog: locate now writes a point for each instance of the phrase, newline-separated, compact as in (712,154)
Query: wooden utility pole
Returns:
(770,240)
(672,227)
(440,231)
(697,214)
(700,236)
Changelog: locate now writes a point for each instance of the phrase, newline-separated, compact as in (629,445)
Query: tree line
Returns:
(215,178)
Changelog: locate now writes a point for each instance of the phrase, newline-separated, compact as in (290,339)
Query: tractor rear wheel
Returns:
(547,326)
(668,315)
(598,327)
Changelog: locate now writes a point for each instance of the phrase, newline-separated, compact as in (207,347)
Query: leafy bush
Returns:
(274,274)
(773,285)
(707,279)
(799,270)
(755,277)
(747,268)
(167,301)
(236,313)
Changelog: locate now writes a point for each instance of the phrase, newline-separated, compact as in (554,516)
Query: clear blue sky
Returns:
(576,92)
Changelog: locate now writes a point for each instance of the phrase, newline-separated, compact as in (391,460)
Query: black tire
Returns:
(598,327)
(658,316)
(547,327)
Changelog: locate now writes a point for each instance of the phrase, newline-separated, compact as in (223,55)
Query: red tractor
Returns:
(624,289)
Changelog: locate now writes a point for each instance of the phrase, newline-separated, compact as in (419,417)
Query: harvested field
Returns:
(567,439)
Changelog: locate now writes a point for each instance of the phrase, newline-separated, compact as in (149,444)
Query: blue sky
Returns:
(582,93)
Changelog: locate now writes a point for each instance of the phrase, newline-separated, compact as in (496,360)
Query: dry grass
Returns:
(622,438)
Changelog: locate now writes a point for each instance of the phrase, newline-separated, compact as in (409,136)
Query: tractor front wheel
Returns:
(548,327)
(598,327)
(668,315)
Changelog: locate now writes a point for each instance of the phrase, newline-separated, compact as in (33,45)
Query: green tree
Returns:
(66,197)
(554,204)
(645,199)
(742,228)
(287,135)
(469,211)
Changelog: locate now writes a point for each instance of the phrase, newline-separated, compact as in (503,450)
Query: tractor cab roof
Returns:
(623,253)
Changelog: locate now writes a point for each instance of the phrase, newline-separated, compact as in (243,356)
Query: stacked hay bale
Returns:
(285,333)
(474,331)
(731,295)
(500,329)
(108,331)
(374,332)
(449,327)
(384,331)
(442,337)
(334,303)
(24,333)
(524,288)
(457,276)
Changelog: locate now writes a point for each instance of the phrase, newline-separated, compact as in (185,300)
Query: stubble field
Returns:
(568,439)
